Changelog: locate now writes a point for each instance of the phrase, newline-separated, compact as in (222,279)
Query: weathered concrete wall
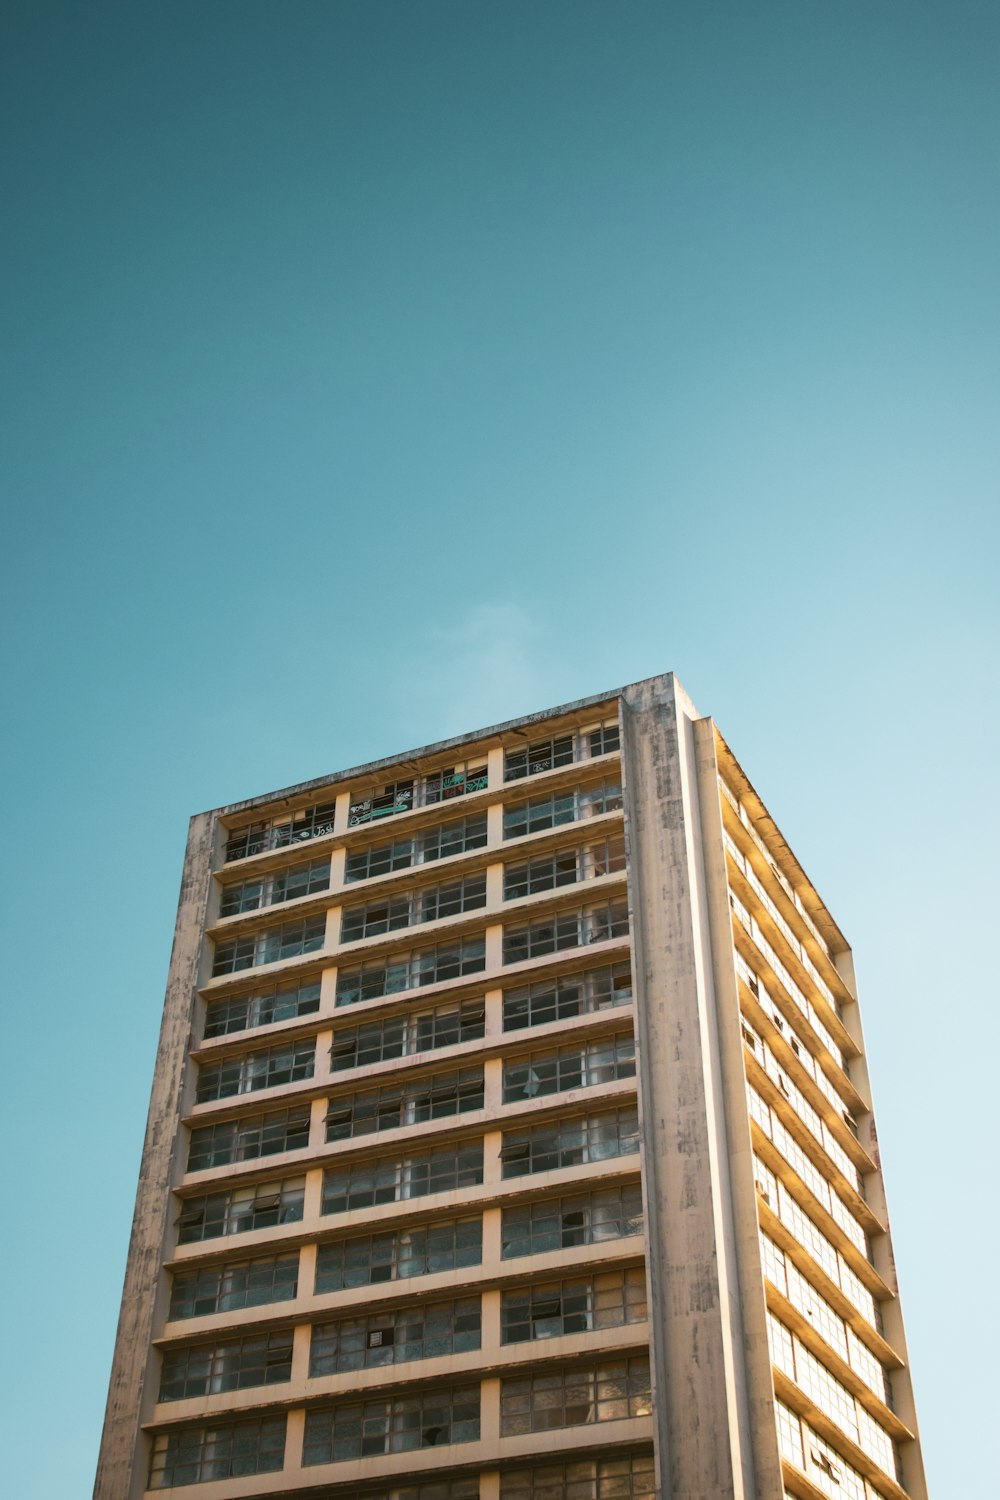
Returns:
(702,1419)
(119,1475)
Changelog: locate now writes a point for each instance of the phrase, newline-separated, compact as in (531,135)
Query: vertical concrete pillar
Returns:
(702,1425)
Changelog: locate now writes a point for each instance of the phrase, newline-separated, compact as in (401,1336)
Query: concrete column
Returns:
(700,1400)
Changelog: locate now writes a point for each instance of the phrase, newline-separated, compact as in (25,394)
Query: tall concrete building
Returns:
(511,1138)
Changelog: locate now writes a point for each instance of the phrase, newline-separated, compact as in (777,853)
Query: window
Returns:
(560,750)
(606,1392)
(609,1299)
(400,1036)
(575,1219)
(400,796)
(394,1424)
(565,929)
(556,808)
(390,914)
(456,781)
(541,755)
(250,1011)
(270,890)
(194,1455)
(248,1137)
(288,1062)
(597,1062)
(278,833)
(270,945)
(205,1369)
(388,976)
(385,1108)
(381,802)
(257,1207)
(631,1477)
(456,837)
(569,1143)
(392,1336)
(389,1180)
(566,867)
(247,1283)
(568,995)
(399,1254)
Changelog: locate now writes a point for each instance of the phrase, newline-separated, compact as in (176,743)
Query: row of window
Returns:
(307,934)
(271,890)
(560,750)
(543,1225)
(458,836)
(631,1477)
(357,1185)
(280,832)
(391,797)
(410,908)
(430,1097)
(399,796)
(558,999)
(389,975)
(394,913)
(421,1330)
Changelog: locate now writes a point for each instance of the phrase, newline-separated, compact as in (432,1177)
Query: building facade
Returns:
(511,1138)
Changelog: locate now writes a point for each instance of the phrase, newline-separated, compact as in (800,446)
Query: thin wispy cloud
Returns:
(494,662)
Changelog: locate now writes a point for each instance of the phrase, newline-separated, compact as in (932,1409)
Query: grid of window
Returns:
(410,908)
(393,1336)
(388,1180)
(271,890)
(601,1061)
(556,808)
(270,945)
(402,1036)
(806,1450)
(570,1143)
(258,1207)
(247,1012)
(574,1219)
(566,929)
(206,1369)
(248,1137)
(287,1062)
(833,1398)
(752,927)
(567,995)
(456,837)
(400,796)
(632,1477)
(816,1126)
(559,750)
(247,1283)
(388,976)
(772,1126)
(607,1392)
(279,833)
(394,1424)
(434,1097)
(194,1455)
(549,872)
(608,1299)
(400,1254)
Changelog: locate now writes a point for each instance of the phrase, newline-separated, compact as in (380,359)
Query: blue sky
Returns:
(376,370)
